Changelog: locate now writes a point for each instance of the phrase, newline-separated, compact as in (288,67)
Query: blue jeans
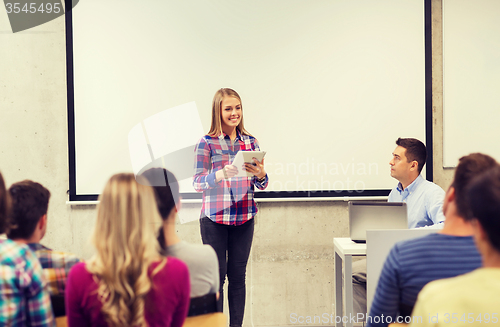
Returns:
(232,245)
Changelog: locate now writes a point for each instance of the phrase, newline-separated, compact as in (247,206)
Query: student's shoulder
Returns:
(204,252)
(248,137)
(54,259)
(446,288)
(432,187)
(66,257)
(208,142)
(175,265)
(410,245)
(208,139)
(12,252)
(79,270)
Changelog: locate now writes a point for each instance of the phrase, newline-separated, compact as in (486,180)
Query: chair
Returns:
(214,319)
(405,310)
(58,307)
(61,322)
(378,245)
(202,305)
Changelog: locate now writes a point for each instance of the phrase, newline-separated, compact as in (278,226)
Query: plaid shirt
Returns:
(56,266)
(24,301)
(228,202)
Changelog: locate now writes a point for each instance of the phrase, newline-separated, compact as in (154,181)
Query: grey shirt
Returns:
(202,264)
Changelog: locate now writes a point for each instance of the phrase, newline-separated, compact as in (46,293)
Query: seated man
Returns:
(471,299)
(201,259)
(24,300)
(424,202)
(450,252)
(424,199)
(30,202)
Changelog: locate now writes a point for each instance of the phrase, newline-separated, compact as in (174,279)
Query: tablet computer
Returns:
(243,157)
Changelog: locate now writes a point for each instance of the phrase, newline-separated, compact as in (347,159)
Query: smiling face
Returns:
(231,113)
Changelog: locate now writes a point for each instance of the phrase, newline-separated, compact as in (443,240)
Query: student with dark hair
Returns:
(24,298)
(4,206)
(424,199)
(200,259)
(30,202)
(470,299)
(424,202)
(411,264)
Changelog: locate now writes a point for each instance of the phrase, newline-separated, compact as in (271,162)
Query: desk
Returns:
(344,250)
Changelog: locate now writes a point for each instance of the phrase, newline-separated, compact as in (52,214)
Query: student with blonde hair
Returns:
(127,282)
(226,220)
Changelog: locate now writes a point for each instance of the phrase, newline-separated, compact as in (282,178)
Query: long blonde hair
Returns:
(126,246)
(216,126)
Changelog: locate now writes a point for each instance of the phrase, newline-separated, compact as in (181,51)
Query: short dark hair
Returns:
(166,190)
(4,206)
(415,151)
(469,167)
(484,200)
(30,201)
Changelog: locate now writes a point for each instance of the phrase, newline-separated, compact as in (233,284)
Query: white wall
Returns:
(291,265)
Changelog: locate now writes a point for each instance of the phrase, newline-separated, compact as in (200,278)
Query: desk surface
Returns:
(345,246)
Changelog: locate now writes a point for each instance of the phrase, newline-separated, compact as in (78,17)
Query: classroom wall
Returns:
(291,267)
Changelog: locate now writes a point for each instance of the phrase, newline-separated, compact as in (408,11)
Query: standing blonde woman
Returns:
(228,208)
(127,283)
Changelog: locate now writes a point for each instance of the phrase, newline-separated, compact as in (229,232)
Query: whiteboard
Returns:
(327,86)
(471,83)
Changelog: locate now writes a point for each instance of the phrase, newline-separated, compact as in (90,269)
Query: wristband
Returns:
(224,172)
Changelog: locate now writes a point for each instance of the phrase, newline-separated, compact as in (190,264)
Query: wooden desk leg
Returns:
(348,290)
(338,289)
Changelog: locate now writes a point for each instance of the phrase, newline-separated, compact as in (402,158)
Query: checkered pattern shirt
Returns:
(24,300)
(228,202)
(56,266)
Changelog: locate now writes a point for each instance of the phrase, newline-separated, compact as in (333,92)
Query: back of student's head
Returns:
(166,190)
(126,246)
(30,201)
(4,206)
(415,151)
(484,200)
(468,168)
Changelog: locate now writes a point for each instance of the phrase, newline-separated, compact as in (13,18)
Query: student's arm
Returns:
(203,179)
(434,206)
(386,298)
(38,307)
(56,273)
(74,295)
(182,280)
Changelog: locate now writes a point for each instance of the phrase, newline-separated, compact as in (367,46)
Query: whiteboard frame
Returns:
(275,196)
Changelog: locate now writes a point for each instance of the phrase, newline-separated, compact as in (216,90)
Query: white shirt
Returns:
(424,201)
